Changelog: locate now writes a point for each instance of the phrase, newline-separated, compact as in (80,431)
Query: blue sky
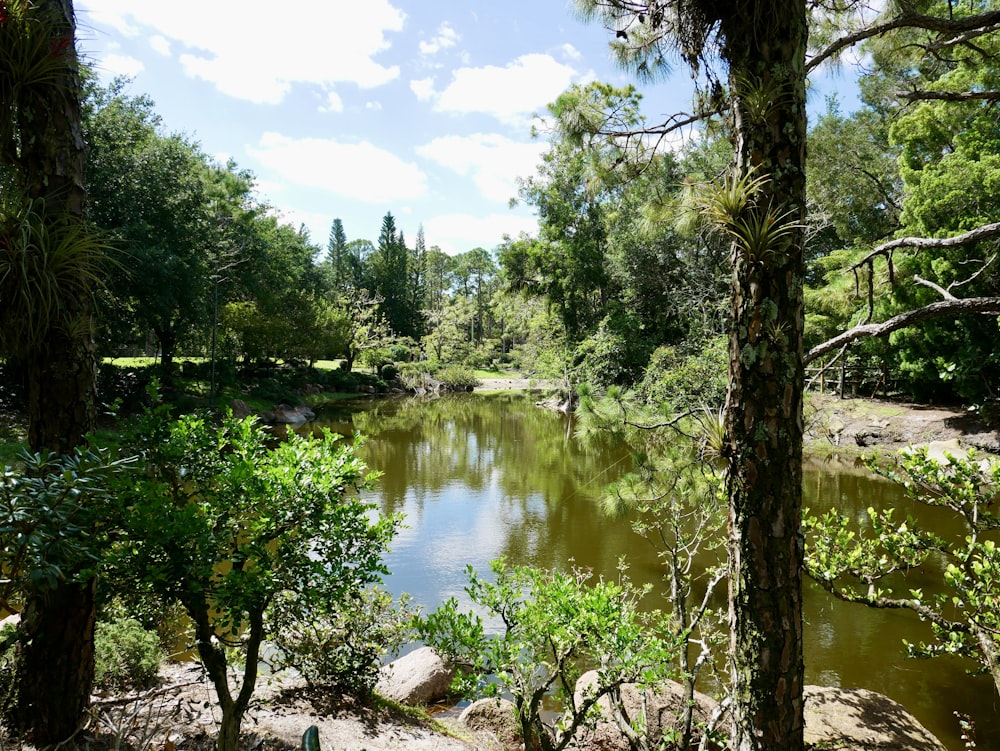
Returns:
(352,108)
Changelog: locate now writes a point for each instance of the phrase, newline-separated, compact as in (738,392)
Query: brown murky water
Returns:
(481,476)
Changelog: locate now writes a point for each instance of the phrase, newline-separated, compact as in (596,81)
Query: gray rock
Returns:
(420,677)
(496,719)
(663,708)
(861,720)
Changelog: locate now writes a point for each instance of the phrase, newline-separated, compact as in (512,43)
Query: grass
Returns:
(496,373)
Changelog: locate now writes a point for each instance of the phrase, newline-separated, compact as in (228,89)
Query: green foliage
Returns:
(44,265)
(228,524)
(963,609)
(49,507)
(127,657)
(614,354)
(344,649)
(678,382)
(457,378)
(553,625)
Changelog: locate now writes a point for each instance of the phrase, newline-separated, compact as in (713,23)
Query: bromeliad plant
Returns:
(231,526)
(964,612)
(552,626)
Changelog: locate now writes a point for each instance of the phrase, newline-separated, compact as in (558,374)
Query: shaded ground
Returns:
(867,424)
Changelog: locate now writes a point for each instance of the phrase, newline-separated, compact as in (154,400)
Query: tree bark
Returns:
(57,652)
(765,45)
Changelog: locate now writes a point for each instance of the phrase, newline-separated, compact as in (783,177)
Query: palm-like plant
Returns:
(44,264)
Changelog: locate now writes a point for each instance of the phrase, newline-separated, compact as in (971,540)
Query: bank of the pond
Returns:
(856,426)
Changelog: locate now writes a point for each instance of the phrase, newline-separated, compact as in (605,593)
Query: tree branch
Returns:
(947,26)
(985,232)
(949,96)
(939,309)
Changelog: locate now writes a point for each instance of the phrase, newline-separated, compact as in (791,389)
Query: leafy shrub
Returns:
(556,624)
(126,656)
(457,378)
(253,526)
(343,649)
(687,381)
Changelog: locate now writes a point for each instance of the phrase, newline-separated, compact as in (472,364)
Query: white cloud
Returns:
(423,88)
(160,44)
(446,38)
(373,106)
(521,87)
(457,233)
(254,50)
(333,103)
(121,65)
(493,161)
(354,170)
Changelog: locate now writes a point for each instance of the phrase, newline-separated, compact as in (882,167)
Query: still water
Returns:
(480,476)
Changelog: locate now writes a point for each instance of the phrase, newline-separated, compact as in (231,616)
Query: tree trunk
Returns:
(765,46)
(57,652)
(57,664)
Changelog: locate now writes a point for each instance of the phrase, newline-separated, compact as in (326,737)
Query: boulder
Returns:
(240,409)
(420,677)
(845,719)
(495,719)
(860,720)
(664,704)
(294,416)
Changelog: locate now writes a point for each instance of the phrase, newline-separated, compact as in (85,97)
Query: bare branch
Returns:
(939,309)
(985,232)
(949,96)
(947,26)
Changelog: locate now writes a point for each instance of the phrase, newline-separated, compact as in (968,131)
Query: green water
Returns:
(479,476)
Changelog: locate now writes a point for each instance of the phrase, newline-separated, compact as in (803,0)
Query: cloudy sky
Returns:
(352,108)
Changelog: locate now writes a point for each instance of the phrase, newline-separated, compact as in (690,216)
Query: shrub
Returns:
(555,625)
(344,649)
(686,381)
(126,656)
(253,526)
(457,378)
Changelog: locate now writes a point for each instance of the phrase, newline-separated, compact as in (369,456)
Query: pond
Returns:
(480,476)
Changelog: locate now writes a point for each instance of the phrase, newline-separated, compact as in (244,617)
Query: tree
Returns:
(251,530)
(160,199)
(47,322)
(338,257)
(763,48)
(860,568)
(390,277)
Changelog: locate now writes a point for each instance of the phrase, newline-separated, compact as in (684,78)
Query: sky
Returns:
(351,109)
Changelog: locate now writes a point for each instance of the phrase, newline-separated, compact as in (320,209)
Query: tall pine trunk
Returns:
(765,43)
(57,652)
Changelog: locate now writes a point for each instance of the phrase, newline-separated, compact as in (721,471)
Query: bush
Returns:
(126,656)
(686,381)
(344,649)
(457,378)
(555,624)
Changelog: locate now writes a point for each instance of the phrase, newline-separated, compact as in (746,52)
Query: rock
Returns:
(294,416)
(239,409)
(861,720)
(420,677)
(845,719)
(663,708)
(496,719)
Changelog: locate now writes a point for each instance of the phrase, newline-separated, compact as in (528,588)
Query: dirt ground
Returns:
(849,425)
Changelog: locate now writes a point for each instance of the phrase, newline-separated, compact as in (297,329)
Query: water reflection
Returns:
(479,476)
